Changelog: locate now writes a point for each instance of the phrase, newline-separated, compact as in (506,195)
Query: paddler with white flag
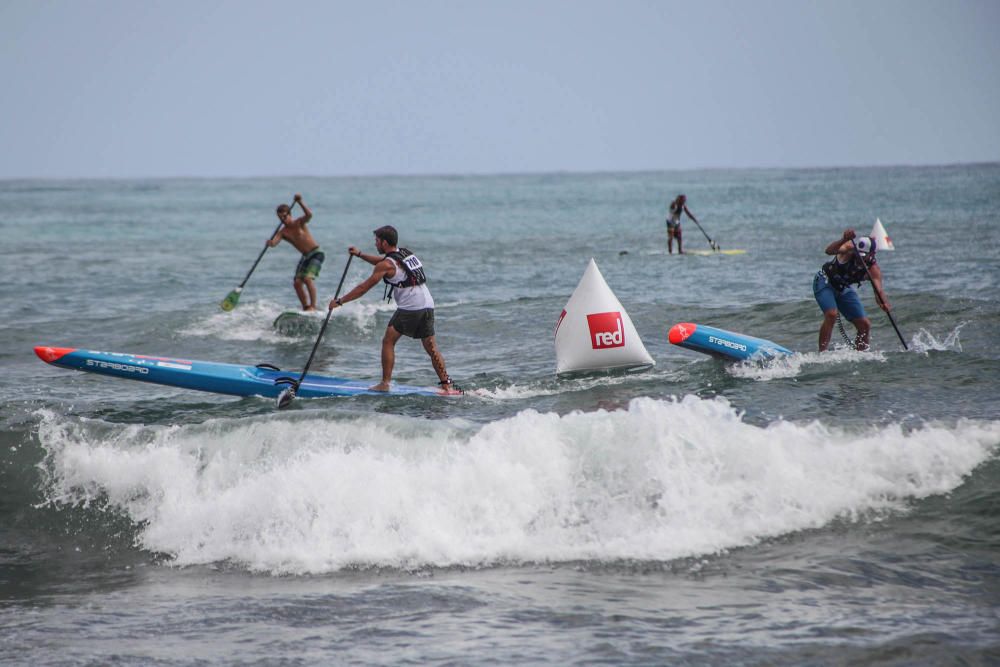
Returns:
(833,286)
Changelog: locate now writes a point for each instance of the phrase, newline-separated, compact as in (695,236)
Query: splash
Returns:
(253,321)
(792,366)
(924,341)
(659,480)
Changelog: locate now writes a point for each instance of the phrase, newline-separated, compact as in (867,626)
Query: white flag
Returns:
(882,240)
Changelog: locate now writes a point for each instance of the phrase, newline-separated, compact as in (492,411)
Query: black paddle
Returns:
(286,397)
(713,244)
(233,297)
(877,297)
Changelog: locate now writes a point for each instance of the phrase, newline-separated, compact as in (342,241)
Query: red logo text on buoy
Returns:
(606,330)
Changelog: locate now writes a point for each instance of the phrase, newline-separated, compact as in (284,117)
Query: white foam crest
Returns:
(251,320)
(660,480)
(924,341)
(513,392)
(362,314)
(564,384)
(254,321)
(792,365)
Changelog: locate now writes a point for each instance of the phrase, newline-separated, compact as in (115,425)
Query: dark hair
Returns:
(388,234)
(282,209)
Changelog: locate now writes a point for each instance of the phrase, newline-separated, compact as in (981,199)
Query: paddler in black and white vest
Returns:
(403,274)
(834,290)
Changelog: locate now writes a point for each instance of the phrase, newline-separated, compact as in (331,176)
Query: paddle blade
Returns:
(286,397)
(231,300)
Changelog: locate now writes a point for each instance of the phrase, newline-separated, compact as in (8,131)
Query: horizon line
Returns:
(488,174)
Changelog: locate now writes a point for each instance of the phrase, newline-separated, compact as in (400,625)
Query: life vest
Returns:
(674,213)
(411,266)
(852,272)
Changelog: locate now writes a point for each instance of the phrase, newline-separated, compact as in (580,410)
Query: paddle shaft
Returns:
(715,246)
(326,321)
(877,297)
(266,246)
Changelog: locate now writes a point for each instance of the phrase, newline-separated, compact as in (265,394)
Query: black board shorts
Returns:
(414,323)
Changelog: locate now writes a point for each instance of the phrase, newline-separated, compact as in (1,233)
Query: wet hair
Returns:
(282,209)
(388,234)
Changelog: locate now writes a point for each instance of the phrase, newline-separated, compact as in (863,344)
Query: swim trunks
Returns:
(310,264)
(846,301)
(414,323)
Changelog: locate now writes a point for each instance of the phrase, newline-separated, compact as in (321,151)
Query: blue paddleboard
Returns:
(722,343)
(232,379)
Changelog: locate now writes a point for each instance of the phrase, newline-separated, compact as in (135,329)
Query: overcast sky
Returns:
(102,88)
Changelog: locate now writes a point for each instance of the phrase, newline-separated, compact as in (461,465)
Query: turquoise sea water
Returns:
(829,508)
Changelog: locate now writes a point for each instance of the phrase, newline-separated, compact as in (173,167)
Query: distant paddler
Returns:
(406,283)
(295,231)
(677,207)
(833,286)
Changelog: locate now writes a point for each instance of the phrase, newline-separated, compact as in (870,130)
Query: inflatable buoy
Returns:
(594,332)
(882,240)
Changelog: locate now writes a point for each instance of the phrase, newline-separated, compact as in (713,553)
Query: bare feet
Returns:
(309,309)
(381,386)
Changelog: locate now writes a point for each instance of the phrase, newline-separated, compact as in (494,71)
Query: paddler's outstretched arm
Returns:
(383,269)
(686,210)
(876,274)
(371,259)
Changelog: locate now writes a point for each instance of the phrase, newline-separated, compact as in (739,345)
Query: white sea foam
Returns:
(658,480)
(254,321)
(793,365)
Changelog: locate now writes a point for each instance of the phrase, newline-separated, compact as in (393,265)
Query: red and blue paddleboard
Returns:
(263,380)
(724,344)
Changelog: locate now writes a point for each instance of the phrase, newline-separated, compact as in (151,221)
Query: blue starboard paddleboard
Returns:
(263,380)
(722,343)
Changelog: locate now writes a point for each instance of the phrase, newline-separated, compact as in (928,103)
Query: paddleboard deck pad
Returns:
(235,380)
(723,343)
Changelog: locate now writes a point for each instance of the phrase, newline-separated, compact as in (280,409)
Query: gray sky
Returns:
(102,88)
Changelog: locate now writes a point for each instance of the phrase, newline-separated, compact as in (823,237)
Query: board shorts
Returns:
(414,323)
(674,227)
(310,264)
(846,301)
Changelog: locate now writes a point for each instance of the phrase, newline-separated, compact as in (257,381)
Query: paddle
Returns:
(234,297)
(286,397)
(877,297)
(713,244)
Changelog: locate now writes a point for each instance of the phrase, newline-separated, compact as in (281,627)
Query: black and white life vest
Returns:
(411,265)
(852,272)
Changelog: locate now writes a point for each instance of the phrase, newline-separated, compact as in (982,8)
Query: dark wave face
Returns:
(821,508)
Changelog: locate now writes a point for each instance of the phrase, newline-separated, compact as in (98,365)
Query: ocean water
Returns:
(836,508)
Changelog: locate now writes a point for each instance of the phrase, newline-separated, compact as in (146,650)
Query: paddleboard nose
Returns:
(680,332)
(52,354)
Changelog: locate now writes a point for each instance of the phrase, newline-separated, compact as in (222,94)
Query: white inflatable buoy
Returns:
(882,240)
(594,332)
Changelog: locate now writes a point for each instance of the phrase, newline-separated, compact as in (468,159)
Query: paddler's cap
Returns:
(864,244)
